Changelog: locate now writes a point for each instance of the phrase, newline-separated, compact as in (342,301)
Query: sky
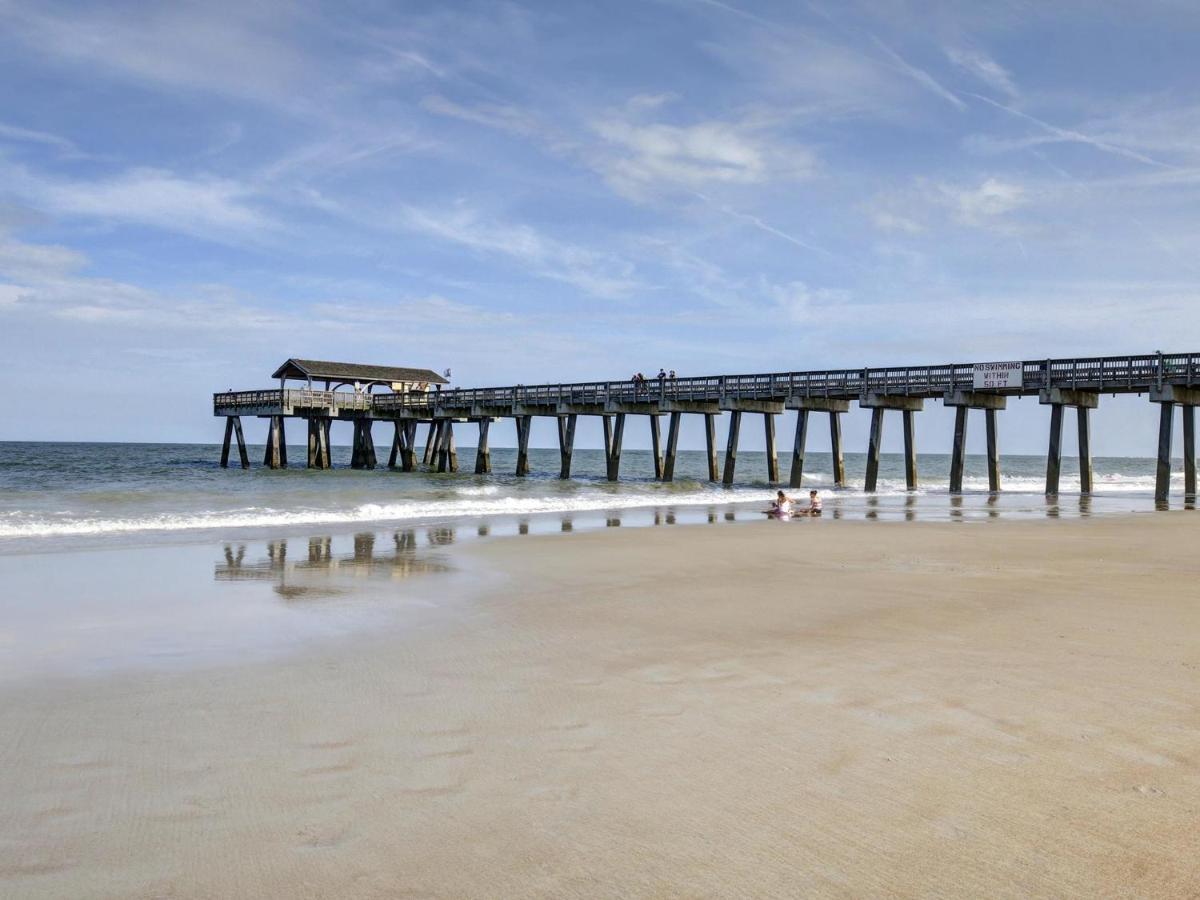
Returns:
(529,192)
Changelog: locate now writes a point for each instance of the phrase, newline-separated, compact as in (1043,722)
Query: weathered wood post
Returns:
(731,446)
(483,453)
(672,447)
(1085,450)
(614,433)
(233,427)
(427,457)
(447,452)
(993,452)
(566,443)
(1189,452)
(225,443)
(910,450)
(710,443)
(1054,453)
(523,428)
(275,455)
(958,456)
(772,456)
(318,444)
(397,444)
(656,447)
(1162,475)
(873,449)
(796,478)
(835,444)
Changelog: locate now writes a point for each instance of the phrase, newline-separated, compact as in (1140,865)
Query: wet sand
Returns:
(1002,709)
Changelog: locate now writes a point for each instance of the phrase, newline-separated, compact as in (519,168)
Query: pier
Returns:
(410,399)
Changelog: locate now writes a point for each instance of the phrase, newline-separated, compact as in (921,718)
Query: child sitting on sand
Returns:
(814,505)
(782,507)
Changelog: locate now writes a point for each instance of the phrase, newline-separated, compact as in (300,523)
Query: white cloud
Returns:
(991,199)
(648,157)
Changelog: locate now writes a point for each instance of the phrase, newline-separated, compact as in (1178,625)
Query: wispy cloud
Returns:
(32,136)
(983,67)
(597,273)
(920,76)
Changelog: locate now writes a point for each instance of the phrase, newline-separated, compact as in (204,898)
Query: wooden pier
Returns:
(408,402)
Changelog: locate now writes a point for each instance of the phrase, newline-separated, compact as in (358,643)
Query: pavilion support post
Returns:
(437,460)
(958,454)
(993,452)
(797,473)
(1162,477)
(1189,451)
(710,443)
(731,445)
(318,446)
(483,452)
(835,445)
(399,445)
(523,428)
(668,473)
(356,452)
(873,449)
(450,448)
(369,458)
(275,455)
(656,447)
(614,434)
(566,443)
(772,456)
(312,444)
(427,457)
(243,455)
(1085,449)
(1054,454)
(228,439)
(910,450)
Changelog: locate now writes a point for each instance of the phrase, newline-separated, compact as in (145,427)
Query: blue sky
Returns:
(190,193)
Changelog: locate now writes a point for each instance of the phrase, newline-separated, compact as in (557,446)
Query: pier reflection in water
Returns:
(310,575)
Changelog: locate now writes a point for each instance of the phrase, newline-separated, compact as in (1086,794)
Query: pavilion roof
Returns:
(340,371)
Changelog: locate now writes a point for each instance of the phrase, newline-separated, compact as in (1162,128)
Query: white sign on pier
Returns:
(998,375)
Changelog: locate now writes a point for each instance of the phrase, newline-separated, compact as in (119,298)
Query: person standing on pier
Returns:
(662,380)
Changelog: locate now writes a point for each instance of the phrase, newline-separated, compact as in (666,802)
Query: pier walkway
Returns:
(1169,380)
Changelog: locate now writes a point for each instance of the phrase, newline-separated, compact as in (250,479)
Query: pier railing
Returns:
(1119,374)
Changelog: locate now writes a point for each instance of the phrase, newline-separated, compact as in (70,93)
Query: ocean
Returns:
(93,492)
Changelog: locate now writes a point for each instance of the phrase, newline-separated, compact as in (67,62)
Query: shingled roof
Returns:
(337,371)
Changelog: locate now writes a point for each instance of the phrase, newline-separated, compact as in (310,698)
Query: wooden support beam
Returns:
(243,454)
(797,474)
(656,447)
(566,443)
(873,449)
(439,446)
(1085,450)
(1189,452)
(958,454)
(523,428)
(228,439)
(275,455)
(483,452)
(835,443)
(427,457)
(397,445)
(772,456)
(316,435)
(323,451)
(1054,454)
(993,451)
(731,445)
(614,435)
(668,473)
(1162,476)
(910,450)
(710,442)
(451,448)
(369,445)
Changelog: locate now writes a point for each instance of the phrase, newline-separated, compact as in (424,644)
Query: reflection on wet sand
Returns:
(364,560)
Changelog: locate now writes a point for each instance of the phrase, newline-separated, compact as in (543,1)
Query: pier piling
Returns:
(772,457)
(993,452)
(1189,452)
(233,427)
(796,476)
(318,442)
(1085,449)
(668,473)
(835,449)
(275,455)
(566,443)
(958,454)
(427,456)
(735,428)
(483,453)
(910,450)
(523,426)
(1054,453)
(873,449)
(1162,474)
(710,444)
(614,434)
(656,447)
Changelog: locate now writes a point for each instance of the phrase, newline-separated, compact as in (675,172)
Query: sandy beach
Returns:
(843,709)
